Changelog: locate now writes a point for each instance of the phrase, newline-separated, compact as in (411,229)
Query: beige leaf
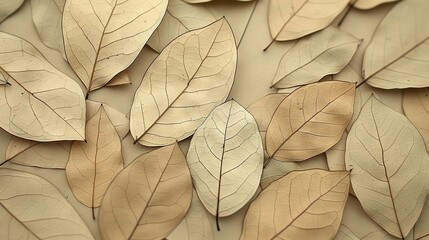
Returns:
(7,7)
(310,120)
(102,38)
(190,77)
(288,90)
(396,56)
(348,74)
(180,17)
(368,4)
(121,79)
(204,1)
(149,198)
(276,170)
(416,107)
(421,230)
(4,78)
(336,155)
(41,103)
(296,18)
(389,166)
(301,205)
(196,225)
(226,159)
(31,208)
(118,119)
(313,57)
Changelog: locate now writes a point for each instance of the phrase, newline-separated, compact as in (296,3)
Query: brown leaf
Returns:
(297,205)
(415,103)
(149,198)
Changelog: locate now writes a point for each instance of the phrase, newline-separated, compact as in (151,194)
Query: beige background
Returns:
(253,79)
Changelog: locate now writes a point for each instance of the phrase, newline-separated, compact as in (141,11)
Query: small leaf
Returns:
(297,206)
(7,7)
(276,170)
(149,198)
(348,74)
(121,79)
(190,77)
(390,167)
(415,103)
(310,120)
(313,57)
(31,208)
(368,4)
(226,158)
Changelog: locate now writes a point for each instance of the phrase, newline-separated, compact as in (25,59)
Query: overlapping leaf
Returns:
(276,170)
(191,76)
(7,7)
(149,198)
(368,4)
(416,107)
(389,166)
(297,204)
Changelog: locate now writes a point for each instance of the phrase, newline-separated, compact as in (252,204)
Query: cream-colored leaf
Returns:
(310,120)
(118,119)
(180,17)
(368,4)
(93,164)
(287,90)
(196,224)
(348,74)
(390,167)
(7,7)
(102,38)
(336,155)
(121,79)
(276,170)
(296,18)
(149,198)
(301,205)
(226,159)
(204,1)
(190,77)
(31,208)
(415,103)
(41,103)
(397,55)
(421,230)
(313,57)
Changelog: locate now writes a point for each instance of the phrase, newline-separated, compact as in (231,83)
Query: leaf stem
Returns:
(247,24)
(349,8)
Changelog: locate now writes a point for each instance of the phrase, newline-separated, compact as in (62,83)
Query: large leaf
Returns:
(310,120)
(102,38)
(315,56)
(368,4)
(191,76)
(416,107)
(149,198)
(390,167)
(31,208)
(7,7)
(226,159)
(397,55)
(301,205)
(94,163)
(180,17)
(41,103)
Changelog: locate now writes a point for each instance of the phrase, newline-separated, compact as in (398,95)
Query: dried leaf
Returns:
(310,120)
(313,57)
(204,1)
(397,55)
(368,4)
(31,208)
(118,119)
(389,166)
(299,204)
(41,103)
(276,170)
(121,79)
(7,7)
(421,230)
(191,76)
(149,198)
(101,39)
(348,74)
(226,159)
(416,107)
(336,155)
(296,18)
(180,17)
(93,164)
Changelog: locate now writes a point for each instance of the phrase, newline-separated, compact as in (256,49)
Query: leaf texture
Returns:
(122,78)
(336,155)
(302,205)
(313,57)
(415,103)
(421,231)
(31,208)
(190,77)
(368,4)
(7,7)
(389,166)
(149,198)
(93,164)
(276,170)
(41,103)
(226,159)
(293,19)
(102,38)
(310,120)
(180,17)
(396,56)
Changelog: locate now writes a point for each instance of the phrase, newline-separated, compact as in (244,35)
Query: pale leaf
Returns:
(121,79)
(415,103)
(149,198)
(226,159)
(276,170)
(41,103)
(368,4)
(336,155)
(102,38)
(190,77)
(31,208)
(310,120)
(7,7)
(297,206)
(180,17)
(390,167)
(118,119)
(313,57)
(421,230)
(348,74)
(397,55)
